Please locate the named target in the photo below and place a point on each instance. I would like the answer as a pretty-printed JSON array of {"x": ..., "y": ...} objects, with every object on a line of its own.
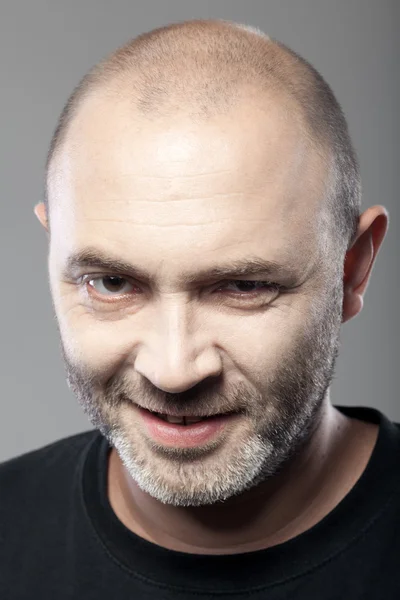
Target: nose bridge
[
  {"x": 178, "y": 355},
  {"x": 175, "y": 326}
]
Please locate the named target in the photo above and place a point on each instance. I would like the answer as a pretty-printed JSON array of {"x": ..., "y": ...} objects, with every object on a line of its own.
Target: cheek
[
  {"x": 97, "y": 344},
  {"x": 261, "y": 344}
]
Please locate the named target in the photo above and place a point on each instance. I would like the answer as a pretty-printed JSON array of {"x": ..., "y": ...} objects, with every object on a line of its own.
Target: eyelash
[{"x": 269, "y": 286}]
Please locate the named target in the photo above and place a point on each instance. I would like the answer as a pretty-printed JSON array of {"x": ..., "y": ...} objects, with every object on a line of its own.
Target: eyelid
[
  {"x": 244, "y": 300},
  {"x": 258, "y": 297},
  {"x": 95, "y": 276}
]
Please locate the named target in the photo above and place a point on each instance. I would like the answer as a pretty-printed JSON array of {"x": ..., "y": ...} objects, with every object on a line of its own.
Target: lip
[{"x": 183, "y": 436}]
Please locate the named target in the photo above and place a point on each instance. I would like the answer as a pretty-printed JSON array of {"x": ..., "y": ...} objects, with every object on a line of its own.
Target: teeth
[
  {"x": 193, "y": 420},
  {"x": 179, "y": 420},
  {"x": 174, "y": 419}
]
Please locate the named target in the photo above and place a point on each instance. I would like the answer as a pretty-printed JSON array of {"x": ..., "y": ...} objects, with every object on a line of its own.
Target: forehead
[
  {"x": 248, "y": 176},
  {"x": 259, "y": 140},
  {"x": 254, "y": 132}
]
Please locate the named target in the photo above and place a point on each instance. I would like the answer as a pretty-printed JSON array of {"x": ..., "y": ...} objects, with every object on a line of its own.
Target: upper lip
[{"x": 181, "y": 415}]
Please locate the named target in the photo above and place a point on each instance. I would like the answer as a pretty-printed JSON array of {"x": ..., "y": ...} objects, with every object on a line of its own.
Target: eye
[
  {"x": 246, "y": 284},
  {"x": 115, "y": 285},
  {"x": 111, "y": 284}
]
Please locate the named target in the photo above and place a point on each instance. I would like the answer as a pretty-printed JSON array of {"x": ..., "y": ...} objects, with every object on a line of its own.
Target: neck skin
[{"x": 272, "y": 513}]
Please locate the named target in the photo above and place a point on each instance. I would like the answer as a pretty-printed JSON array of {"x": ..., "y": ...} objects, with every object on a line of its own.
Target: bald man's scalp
[{"x": 203, "y": 68}]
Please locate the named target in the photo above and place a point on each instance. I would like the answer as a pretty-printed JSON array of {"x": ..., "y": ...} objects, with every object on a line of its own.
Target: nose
[{"x": 178, "y": 352}]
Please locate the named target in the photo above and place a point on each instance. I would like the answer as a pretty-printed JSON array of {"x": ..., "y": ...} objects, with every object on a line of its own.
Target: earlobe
[{"x": 352, "y": 305}]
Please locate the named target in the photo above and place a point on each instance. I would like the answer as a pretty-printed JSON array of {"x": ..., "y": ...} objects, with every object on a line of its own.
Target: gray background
[{"x": 47, "y": 46}]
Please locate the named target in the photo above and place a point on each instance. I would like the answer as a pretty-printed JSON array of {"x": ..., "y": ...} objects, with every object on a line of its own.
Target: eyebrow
[{"x": 253, "y": 265}]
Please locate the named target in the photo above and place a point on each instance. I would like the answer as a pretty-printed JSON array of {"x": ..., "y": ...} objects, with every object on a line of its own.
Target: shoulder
[{"x": 38, "y": 470}]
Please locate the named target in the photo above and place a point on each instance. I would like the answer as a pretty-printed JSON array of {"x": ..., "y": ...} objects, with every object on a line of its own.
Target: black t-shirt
[{"x": 59, "y": 537}]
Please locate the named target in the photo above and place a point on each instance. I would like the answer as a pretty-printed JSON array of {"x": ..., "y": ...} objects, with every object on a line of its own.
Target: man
[{"x": 205, "y": 246}]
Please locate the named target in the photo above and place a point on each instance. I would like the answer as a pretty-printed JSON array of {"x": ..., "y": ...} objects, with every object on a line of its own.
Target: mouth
[
  {"x": 185, "y": 420},
  {"x": 184, "y": 431}
]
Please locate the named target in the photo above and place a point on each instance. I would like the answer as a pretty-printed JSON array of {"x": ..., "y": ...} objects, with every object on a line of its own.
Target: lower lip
[{"x": 184, "y": 436}]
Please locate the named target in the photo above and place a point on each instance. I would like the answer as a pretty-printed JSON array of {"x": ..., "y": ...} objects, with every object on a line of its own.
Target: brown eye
[
  {"x": 247, "y": 287},
  {"x": 109, "y": 283}
]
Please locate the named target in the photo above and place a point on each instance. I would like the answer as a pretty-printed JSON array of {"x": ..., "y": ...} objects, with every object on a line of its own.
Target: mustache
[
  {"x": 176, "y": 404},
  {"x": 201, "y": 398}
]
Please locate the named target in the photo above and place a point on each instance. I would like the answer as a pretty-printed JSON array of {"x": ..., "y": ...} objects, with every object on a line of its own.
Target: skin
[{"x": 173, "y": 198}]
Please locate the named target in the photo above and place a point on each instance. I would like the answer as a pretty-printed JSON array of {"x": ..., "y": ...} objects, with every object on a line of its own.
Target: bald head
[{"x": 205, "y": 68}]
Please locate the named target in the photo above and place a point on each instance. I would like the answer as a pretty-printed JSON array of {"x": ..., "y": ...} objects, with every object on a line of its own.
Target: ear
[
  {"x": 360, "y": 258},
  {"x": 40, "y": 212}
]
